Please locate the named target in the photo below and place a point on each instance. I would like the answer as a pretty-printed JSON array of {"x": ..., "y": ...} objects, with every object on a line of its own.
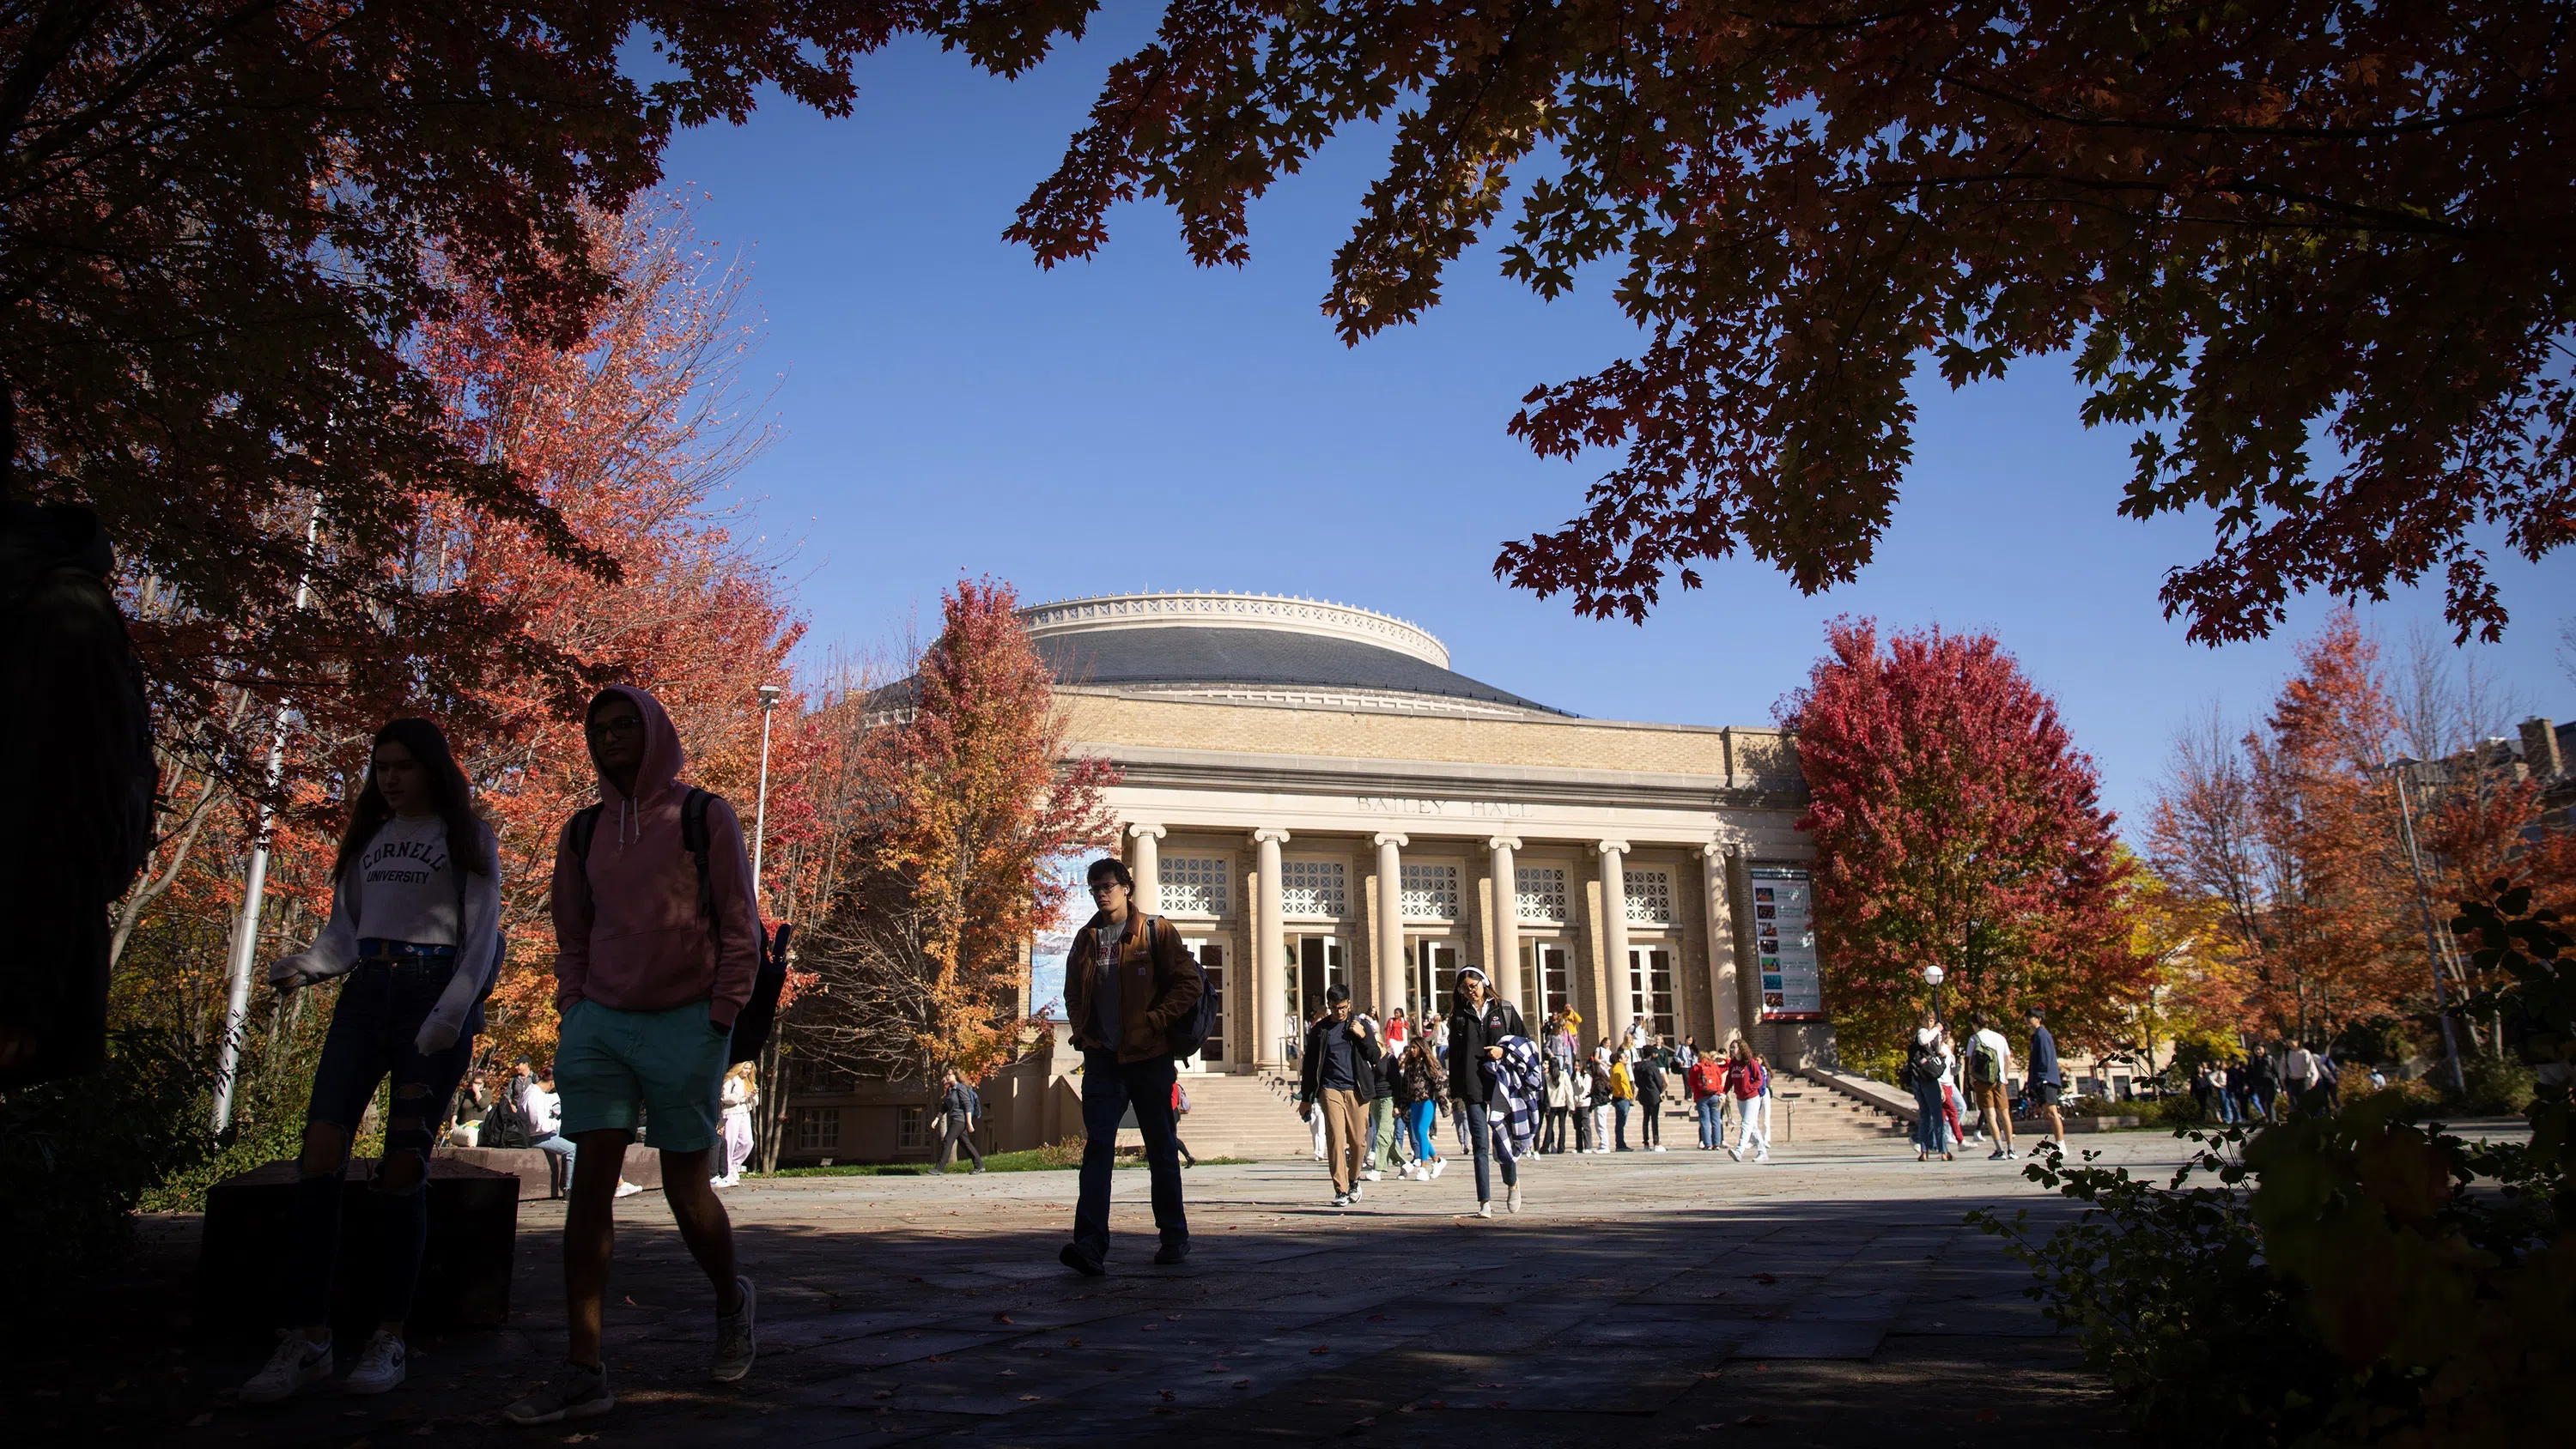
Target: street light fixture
[
  {"x": 1932, "y": 977},
  {"x": 760, "y": 813}
]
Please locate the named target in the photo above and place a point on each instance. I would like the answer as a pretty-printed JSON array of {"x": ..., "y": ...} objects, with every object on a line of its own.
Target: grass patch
[{"x": 1052, "y": 1158}]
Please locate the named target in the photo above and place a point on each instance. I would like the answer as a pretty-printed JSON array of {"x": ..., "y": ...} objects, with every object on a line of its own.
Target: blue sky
[{"x": 946, "y": 408}]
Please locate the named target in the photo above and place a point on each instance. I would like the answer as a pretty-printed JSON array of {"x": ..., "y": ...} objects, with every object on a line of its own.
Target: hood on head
[{"x": 662, "y": 757}]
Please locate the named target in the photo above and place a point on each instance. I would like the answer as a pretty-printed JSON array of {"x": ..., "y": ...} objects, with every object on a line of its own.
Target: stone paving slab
[{"x": 1831, "y": 1295}]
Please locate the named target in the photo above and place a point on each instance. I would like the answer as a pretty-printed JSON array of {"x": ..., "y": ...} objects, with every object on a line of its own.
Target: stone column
[
  {"x": 1719, "y": 911},
  {"x": 1620, "y": 1009},
  {"x": 1269, "y": 957},
  {"x": 1390, "y": 923},
  {"x": 1503, "y": 941},
  {"x": 1148, "y": 867}
]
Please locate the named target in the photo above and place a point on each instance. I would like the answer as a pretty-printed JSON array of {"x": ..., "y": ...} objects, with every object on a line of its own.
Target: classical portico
[{"x": 1312, "y": 796}]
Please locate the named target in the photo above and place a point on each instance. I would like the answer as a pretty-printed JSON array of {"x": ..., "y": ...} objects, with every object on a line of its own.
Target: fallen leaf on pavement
[
  {"x": 1989, "y": 1416},
  {"x": 1764, "y": 1278},
  {"x": 1320, "y": 1348},
  {"x": 1028, "y": 1398}
]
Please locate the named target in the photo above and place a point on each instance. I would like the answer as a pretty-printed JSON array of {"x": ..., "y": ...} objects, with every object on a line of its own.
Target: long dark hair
[{"x": 447, "y": 785}]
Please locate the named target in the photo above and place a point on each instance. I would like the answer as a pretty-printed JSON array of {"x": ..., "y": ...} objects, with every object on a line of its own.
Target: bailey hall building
[{"x": 1312, "y": 795}]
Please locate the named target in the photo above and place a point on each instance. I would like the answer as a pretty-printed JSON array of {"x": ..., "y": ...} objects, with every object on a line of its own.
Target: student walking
[
  {"x": 1605, "y": 1090},
  {"x": 2047, "y": 1078},
  {"x": 1989, "y": 1068},
  {"x": 1381, "y": 1113},
  {"x": 1927, "y": 1067},
  {"x": 2298, "y": 1075},
  {"x": 1423, "y": 1089},
  {"x": 1559, "y": 1098},
  {"x": 1648, "y": 1078},
  {"x": 738, "y": 1098},
  {"x": 1748, "y": 1081},
  {"x": 1181, "y": 1109},
  {"x": 415, "y": 931},
  {"x": 1478, "y": 1026},
  {"x": 1339, "y": 1053},
  {"x": 657, "y": 947},
  {"x": 1706, "y": 1078},
  {"x": 958, "y": 1109},
  {"x": 1128, "y": 981},
  {"x": 1623, "y": 1099}
]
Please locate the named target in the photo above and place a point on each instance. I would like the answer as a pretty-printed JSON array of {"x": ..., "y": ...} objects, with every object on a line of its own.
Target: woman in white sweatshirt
[{"x": 415, "y": 936}]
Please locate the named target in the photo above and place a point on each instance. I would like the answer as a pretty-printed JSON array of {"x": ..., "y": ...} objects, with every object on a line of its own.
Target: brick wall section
[{"x": 1103, "y": 719}]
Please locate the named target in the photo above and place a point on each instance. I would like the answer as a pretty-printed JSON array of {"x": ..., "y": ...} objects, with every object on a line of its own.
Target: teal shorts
[{"x": 669, "y": 1065}]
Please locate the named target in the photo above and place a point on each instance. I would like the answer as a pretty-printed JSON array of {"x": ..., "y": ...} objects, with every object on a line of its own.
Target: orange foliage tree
[
  {"x": 627, "y": 434},
  {"x": 959, "y": 796},
  {"x": 2292, "y": 834}
]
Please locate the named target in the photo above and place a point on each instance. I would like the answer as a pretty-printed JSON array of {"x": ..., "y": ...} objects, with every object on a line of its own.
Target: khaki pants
[
  {"x": 1345, "y": 1136},
  {"x": 1997, "y": 1111}
]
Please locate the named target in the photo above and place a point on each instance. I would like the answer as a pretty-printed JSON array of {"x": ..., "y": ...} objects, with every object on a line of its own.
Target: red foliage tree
[
  {"x": 2248, "y": 227},
  {"x": 1955, "y": 823}
]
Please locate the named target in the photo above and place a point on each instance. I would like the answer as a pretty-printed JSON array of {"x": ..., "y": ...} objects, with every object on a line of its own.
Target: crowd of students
[{"x": 1374, "y": 1093}]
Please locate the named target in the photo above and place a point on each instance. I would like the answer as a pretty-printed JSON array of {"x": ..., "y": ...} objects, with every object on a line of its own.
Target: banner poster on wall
[
  {"x": 1784, "y": 940},
  {"x": 1054, "y": 940}
]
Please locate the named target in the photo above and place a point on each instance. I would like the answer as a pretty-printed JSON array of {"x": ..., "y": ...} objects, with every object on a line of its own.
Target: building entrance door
[
  {"x": 1650, "y": 988},
  {"x": 1319, "y": 966},
  {"x": 1433, "y": 965},
  {"x": 1555, "y": 978},
  {"x": 1211, "y": 958}
]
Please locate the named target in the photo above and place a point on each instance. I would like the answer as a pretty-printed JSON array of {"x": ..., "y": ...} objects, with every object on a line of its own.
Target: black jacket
[
  {"x": 1470, "y": 1032},
  {"x": 1648, "y": 1077},
  {"x": 1364, "y": 1054}
]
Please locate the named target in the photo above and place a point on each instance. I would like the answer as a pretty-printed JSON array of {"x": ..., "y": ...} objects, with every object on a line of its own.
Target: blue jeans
[
  {"x": 1480, "y": 1135},
  {"x": 1712, "y": 1129},
  {"x": 1417, "y": 1125},
  {"x": 1931, "y": 1124},
  {"x": 382, "y": 1004},
  {"x": 557, "y": 1145},
  {"x": 1109, "y": 1087},
  {"x": 1621, "y": 1106}
]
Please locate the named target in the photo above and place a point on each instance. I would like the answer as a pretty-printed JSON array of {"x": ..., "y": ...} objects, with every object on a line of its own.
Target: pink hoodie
[{"x": 628, "y": 933}]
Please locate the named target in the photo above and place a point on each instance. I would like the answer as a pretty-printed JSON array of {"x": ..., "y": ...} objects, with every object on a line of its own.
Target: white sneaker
[
  {"x": 1369, "y": 1176},
  {"x": 1439, "y": 1165},
  {"x": 1484, "y": 1210},
  {"x": 1341, "y": 1199},
  {"x": 1512, "y": 1197},
  {"x": 1658, "y": 1147},
  {"x": 1762, "y": 1156},
  {"x": 1355, "y": 1192},
  {"x": 627, "y": 1189},
  {"x": 1736, "y": 1152},
  {"x": 736, "y": 1342},
  {"x": 380, "y": 1365},
  {"x": 297, "y": 1365}
]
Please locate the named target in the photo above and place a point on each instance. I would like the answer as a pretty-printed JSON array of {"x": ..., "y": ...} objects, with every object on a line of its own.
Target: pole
[
  {"x": 255, "y": 888},
  {"x": 2432, "y": 941},
  {"x": 760, "y": 811}
]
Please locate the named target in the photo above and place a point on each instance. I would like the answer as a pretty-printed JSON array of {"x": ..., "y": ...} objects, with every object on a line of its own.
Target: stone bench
[
  {"x": 249, "y": 1245},
  {"x": 536, "y": 1170}
]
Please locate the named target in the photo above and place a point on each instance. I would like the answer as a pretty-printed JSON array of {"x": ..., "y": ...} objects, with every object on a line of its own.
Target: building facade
[{"x": 1311, "y": 795}]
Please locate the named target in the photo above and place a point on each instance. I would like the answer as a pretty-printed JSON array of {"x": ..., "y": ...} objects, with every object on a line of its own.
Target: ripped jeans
[{"x": 382, "y": 1004}]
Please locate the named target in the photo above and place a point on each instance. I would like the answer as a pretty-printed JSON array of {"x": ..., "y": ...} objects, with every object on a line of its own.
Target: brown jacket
[{"x": 1160, "y": 986}]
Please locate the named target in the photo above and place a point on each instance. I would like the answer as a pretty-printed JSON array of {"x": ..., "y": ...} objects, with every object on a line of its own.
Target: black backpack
[
  {"x": 751, "y": 1026},
  {"x": 1188, "y": 1036},
  {"x": 1922, "y": 1066},
  {"x": 506, "y": 1124}
]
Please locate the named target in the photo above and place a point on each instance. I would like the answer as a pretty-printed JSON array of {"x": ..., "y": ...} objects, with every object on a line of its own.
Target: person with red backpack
[
  {"x": 658, "y": 947},
  {"x": 1128, "y": 983},
  {"x": 1707, "y": 1081}
]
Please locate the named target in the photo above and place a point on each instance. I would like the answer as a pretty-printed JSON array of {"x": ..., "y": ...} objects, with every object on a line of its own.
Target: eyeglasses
[
  {"x": 609, "y": 729},
  {"x": 1105, "y": 887}
]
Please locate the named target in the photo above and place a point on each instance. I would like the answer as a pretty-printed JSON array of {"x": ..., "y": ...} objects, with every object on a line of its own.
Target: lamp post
[
  {"x": 760, "y": 812},
  {"x": 1932, "y": 978}
]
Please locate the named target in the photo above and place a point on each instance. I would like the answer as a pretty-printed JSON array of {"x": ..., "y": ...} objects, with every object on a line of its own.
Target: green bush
[
  {"x": 78, "y": 1156},
  {"x": 2497, "y": 1087},
  {"x": 2346, "y": 1277}
]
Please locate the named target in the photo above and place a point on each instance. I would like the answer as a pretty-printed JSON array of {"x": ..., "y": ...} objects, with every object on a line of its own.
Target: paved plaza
[{"x": 1831, "y": 1297}]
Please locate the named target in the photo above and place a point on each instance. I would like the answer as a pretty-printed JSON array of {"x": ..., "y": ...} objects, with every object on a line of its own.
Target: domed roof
[{"x": 1257, "y": 646}]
